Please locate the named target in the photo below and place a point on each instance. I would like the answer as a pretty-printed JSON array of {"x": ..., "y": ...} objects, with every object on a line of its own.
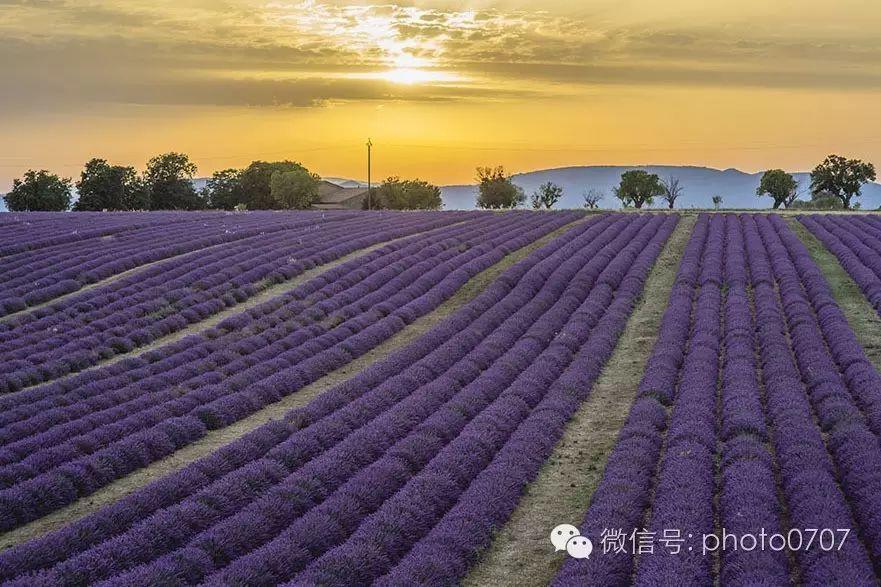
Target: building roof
[{"x": 330, "y": 193}]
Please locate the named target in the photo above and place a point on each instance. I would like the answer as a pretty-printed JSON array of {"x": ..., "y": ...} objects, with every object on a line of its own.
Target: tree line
[
  {"x": 835, "y": 184},
  {"x": 497, "y": 190},
  {"x": 167, "y": 184}
]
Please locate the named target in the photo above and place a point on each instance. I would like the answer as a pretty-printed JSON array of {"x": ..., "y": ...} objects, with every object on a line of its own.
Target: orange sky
[{"x": 439, "y": 86}]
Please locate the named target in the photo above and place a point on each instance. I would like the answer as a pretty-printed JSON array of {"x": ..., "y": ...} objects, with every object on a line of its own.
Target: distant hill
[
  {"x": 737, "y": 188},
  {"x": 346, "y": 183}
]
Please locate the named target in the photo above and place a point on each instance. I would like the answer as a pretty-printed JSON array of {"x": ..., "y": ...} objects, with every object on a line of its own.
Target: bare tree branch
[
  {"x": 592, "y": 198},
  {"x": 672, "y": 190}
]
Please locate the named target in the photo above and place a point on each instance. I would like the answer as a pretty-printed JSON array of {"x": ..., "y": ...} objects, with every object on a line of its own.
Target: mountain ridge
[{"x": 700, "y": 183}]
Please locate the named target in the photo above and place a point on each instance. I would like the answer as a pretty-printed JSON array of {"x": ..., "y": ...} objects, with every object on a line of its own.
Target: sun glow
[{"x": 411, "y": 76}]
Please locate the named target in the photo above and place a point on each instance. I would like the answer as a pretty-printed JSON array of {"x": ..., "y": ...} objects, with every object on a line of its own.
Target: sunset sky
[{"x": 439, "y": 86}]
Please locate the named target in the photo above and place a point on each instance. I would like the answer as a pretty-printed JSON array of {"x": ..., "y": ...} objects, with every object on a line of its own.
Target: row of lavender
[
  {"x": 63, "y": 441},
  {"x": 400, "y": 474},
  {"x": 856, "y": 242},
  {"x": 237, "y": 339},
  {"x": 166, "y": 297},
  {"x": 36, "y": 276},
  {"x": 758, "y": 411},
  {"x": 34, "y": 230}
]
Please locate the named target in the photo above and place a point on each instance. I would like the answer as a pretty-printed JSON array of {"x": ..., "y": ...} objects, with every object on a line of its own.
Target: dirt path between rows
[
  {"x": 218, "y": 438},
  {"x": 521, "y": 553},
  {"x": 862, "y": 317}
]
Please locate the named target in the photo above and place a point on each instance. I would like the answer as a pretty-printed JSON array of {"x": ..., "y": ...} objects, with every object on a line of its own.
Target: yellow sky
[{"x": 439, "y": 86}]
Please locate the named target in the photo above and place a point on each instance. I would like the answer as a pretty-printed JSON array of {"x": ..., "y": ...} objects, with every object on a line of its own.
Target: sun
[{"x": 409, "y": 76}]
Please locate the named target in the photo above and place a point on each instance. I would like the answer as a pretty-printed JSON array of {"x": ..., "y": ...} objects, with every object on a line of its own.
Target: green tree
[
  {"x": 138, "y": 198},
  {"x": 842, "y": 178},
  {"x": 297, "y": 189},
  {"x": 224, "y": 190},
  {"x": 717, "y": 201},
  {"x": 778, "y": 184},
  {"x": 407, "y": 194},
  {"x": 39, "y": 190},
  {"x": 256, "y": 181},
  {"x": 546, "y": 196},
  {"x": 820, "y": 201},
  {"x": 496, "y": 191},
  {"x": 638, "y": 188},
  {"x": 108, "y": 187},
  {"x": 169, "y": 183}
]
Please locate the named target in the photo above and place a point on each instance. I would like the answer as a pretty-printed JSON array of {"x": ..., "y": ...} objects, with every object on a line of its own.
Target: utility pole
[{"x": 369, "y": 185}]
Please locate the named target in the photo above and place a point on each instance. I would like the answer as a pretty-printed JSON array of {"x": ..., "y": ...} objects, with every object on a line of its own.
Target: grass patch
[{"x": 862, "y": 317}]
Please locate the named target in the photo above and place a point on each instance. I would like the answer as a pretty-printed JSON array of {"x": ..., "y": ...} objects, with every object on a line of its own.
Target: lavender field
[
  {"x": 353, "y": 398},
  {"x": 757, "y": 410}
]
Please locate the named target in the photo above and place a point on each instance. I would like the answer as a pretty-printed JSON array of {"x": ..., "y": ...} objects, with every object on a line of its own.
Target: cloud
[
  {"x": 244, "y": 52},
  {"x": 680, "y": 76},
  {"x": 64, "y": 77},
  {"x": 236, "y": 92}
]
